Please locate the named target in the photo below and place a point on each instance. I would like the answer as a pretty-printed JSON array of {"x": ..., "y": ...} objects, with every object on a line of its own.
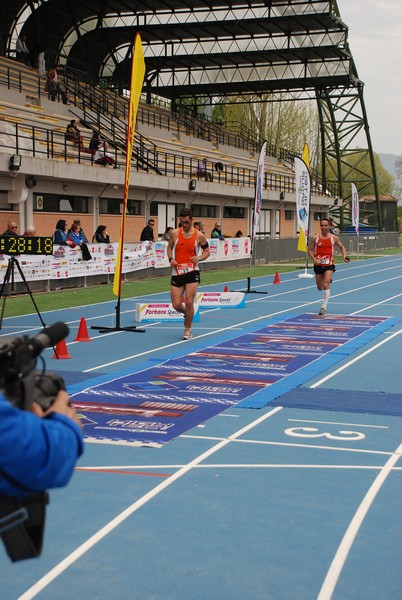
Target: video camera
[
  {"x": 21, "y": 383},
  {"x": 22, "y": 520}
]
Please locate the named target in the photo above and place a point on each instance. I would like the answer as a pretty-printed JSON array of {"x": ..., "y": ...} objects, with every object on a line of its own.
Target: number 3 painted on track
[{"x": 308, "y": 432}]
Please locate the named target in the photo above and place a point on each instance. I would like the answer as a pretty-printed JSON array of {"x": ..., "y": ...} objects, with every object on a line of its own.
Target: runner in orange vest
[
  {"x": 321, "y": 251},
  {"x": 183, "y": 255}
]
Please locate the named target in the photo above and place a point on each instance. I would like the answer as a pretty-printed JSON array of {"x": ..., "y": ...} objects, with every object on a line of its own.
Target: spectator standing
[
  {"x": 101, "y": 236},
  {"x": 202, "y": 170},
  {"x": 22, "y": 52},
  {"x": 52, "y": 85},
  {"x": 11, "y": 229},
  {"x": 41, "y": 61},
  {"x": 147, "y": 234},
  {"x": 217, "y": 231}
]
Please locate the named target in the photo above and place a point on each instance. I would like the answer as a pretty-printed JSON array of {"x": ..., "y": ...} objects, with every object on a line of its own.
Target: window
[
  {"x": 113, "y": 206},
  {"x": 204, "y": 210},
  {"x": 320, "y": 215},
  {"x": 57, "y": 203},
  {"x": 233, "y": 212},
  {"x": 289, "y": 215}
]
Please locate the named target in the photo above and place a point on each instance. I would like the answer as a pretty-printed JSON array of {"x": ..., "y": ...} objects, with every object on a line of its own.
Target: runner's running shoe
[
  {"x": 322, "y": 311},
  {"x": 187, "y": 334}
]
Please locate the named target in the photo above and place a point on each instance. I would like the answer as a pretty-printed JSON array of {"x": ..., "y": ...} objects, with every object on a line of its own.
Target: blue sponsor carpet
[{"x": 153, "y": 406}]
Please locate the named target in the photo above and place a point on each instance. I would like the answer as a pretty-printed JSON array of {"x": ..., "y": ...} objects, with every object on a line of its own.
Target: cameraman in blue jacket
[{"x": 38, "y": 450}]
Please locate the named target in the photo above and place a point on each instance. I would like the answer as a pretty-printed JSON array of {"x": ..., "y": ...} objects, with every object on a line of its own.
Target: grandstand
[{"x": 167, "y": 151}]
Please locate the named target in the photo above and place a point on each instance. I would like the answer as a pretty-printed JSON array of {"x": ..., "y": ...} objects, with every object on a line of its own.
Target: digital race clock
[{"x": 10, "y": 244}]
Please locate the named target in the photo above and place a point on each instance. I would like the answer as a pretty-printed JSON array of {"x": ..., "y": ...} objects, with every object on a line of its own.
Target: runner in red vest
[
  {"x": 321, "y": 251},
  {"x": 183, "y": 255}
]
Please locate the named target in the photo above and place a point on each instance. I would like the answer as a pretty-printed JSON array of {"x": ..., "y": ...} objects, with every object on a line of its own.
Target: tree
[{"x": 283, "y": 123}]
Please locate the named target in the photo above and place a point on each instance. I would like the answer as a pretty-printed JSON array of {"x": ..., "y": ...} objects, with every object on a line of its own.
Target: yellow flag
[
  {"x": 137, "y": 79},
  {"x": 305, "y": 156},
  {"x": 302, "y": 242}
]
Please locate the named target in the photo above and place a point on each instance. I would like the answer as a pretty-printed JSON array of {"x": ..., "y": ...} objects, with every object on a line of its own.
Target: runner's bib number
[
  {"x": 324, "y": 260},
  {"x": 184, "y": 268}
]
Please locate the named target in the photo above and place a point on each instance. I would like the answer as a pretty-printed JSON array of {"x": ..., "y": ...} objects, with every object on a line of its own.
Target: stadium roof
[
  {"x": 214, "y": 49},
  {"x": 194, "y": 47}
]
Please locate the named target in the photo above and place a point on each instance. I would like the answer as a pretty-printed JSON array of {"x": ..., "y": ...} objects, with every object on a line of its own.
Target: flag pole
[
  {"x": 137, "y": 79},
  {"x": 256, "y": 213}
]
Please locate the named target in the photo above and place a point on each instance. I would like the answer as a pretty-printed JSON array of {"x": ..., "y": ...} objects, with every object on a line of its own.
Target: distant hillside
[{"x": 388, "y": 161}]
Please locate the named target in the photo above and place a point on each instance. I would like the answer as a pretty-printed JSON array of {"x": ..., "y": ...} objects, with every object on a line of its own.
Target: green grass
[{"x": 22, "y": 304}]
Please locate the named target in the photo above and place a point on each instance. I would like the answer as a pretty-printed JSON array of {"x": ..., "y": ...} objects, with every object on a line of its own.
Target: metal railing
[{"x": 41, "y": 142}]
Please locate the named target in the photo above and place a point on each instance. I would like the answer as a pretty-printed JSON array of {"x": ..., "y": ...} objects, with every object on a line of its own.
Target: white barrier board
[
  {"x": 161, "y": 311},
  {"x": 221, "y": 299}
]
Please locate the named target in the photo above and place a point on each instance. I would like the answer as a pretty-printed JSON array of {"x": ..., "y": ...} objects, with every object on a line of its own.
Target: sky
[{"x": 375, "y": 39}]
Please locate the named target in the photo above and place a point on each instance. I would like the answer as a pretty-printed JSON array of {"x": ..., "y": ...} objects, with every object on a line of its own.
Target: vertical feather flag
[
  {"x": 355, "y": 208},
  {"x": 302, "y": 175},
  {"x": 137, "y": 79},
  {"x": 258, "y": 191}
]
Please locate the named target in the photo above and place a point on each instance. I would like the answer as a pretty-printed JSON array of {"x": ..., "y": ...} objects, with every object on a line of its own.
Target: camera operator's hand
[{"x": 60, "y": 405}]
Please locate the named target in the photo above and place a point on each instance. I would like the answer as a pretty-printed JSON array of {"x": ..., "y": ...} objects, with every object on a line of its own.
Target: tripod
[{"x": 8, "y": 285}]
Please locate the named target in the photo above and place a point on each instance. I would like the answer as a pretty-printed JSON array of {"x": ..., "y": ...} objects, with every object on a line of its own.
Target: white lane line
[
  {"x": 93, "y": 540},
  {"x": 356, "y": 359},
  {"x": 238, "y": 466},
  {"x": 341, "y": 555}
]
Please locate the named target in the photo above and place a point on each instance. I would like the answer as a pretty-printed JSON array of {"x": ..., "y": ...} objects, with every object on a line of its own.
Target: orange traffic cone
[
  {"x": 61, "y": 350},
  {"x": 82, "y": 335},
  {"x": 226, "y": 289},
  {"x": 276, "y": 278}
]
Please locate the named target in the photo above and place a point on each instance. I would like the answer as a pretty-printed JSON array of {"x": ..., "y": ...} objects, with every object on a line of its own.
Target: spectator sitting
[
  {"x": 217, "y": 232},
  {"x": 95, "y": 142},
  {"x": 30, "y": 231},
  {"x": 11, "y": 229},
  {"x": 102, "y": 157},
  {"x": 101, "y": 236},
  {"x": 77, "y": 235},
  {"x": 239, "y": 234},
  {"x": 166, "y": 235},
  {"x": 60, "y": 235},
  {"x": 73, "y": 134}
]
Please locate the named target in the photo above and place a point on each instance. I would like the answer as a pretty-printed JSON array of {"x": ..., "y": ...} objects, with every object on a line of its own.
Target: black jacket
[{"x": 147, "y": 234}]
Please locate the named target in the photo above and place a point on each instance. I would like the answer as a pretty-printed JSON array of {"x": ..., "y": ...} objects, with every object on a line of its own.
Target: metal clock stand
[{"x": 8, "y": 286}]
